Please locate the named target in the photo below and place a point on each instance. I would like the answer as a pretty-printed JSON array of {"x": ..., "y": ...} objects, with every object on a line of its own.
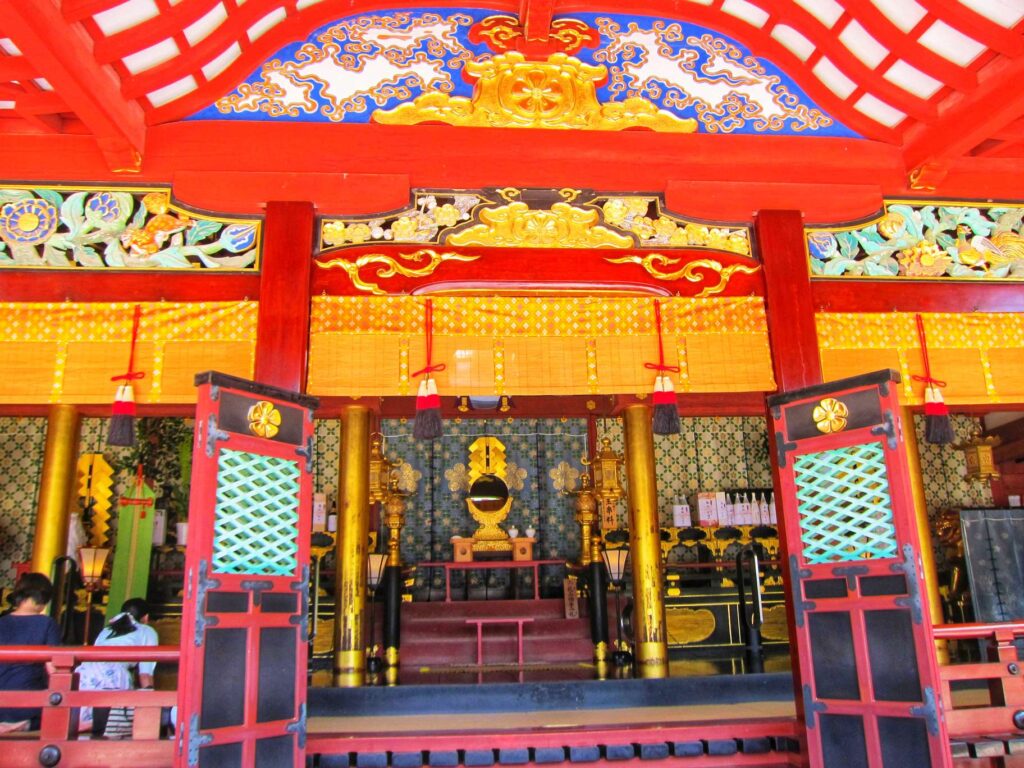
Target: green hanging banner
[{"x": 130, "y": 573}]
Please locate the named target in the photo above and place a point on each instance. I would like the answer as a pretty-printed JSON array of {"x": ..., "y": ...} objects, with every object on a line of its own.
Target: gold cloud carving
[
  {"x": 387, "y": 266},
  {"x": 511, "y": 92},
  {"x": 696, "y": 271},
  {"x": 563, "y": 226}
]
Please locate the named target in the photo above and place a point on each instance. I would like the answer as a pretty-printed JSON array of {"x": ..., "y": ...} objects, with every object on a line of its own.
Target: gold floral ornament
[
  {"x": 264, "y": 419},
  {"x": 830, "y": 415},
  {"x": 385, "y": 267},
  {"x": 406, "y": 476},
  {"x": 511, "y": 92},
  {"x": 458, "y": 479},
  {"x": 699, "y": 270},
  {"x": 515, "y": 477},
  {"x": 564, "y": 476}
]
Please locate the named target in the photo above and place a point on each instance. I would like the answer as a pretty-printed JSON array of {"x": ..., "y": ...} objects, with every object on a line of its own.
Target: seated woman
[
  {"x": 26, "y": 624},
  {"x": 128, "y": 628}
]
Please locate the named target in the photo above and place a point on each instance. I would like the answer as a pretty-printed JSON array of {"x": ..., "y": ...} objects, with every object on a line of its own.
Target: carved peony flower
[
  {"x": 103, "y": 208},
  {"x": 404, "y": 229},
  {"x": 334, "y": 232},
  {"x": 891, "y": 225},
  {"x": 926, "y": 259},
  {"x": 822, "y": 245},
  {"x": 446, "y": 215},
  {"x": 358, "y": 233},
  {"x": 665, "y": 227},
  {"x": 614, "y": 211},
  {"x": 643, "y": 227},
  {"x": 27, "y": 222},
  {"x": 697, "y": 234},
  {"x": 156, "y": 202}
]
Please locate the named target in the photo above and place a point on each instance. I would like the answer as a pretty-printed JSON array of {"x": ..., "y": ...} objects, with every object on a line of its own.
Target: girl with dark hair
[
  {"x": 26, "y": 624},
  {"x": 128, "y": 628}
]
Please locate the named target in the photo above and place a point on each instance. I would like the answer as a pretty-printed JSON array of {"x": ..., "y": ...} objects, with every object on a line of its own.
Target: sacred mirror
[
  {"x": 489, "y": 500},
  {"x": 489, "y": 493}
]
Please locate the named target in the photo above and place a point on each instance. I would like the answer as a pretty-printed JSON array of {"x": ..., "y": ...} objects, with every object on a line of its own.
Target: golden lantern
[
  {"x": 607, "y": 483},
  {"x": 380, "y": 469},
  {"x": 980, "y": 458}
]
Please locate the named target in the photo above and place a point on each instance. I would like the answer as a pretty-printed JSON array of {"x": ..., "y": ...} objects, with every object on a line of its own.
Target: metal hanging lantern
[{"x": 979, "y": 457}]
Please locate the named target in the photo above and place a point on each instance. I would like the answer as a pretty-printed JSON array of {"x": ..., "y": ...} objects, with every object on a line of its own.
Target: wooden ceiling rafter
[
  {"x": 971, "y": 119},
  {"x": 61, "y": 54},
  {"x": 974, "y": 25}
]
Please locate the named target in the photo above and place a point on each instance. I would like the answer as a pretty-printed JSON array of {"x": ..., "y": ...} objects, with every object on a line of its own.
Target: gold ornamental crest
[
  {"x": 830, "y": 415},
  {"x": 264, "y": 419}
]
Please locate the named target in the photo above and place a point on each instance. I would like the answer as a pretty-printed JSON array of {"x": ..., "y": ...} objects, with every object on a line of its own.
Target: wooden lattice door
[
  {"x": 242, "y": 676},
  {"x": 861, "y": 621}
]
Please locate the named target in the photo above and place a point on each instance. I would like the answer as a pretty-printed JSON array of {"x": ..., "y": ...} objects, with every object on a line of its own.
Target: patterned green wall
[
  {"x": 710, "y": 453},
  {"x": 21, "y": 465}
]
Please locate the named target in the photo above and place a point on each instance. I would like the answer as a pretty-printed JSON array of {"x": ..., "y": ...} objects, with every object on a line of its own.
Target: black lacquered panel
[
  {"x": 279, "y": 602},
  {"x": 227, "y": 602},
  {"x": 877, "y": 586},
  {"x": 835, "y": 664},
  {"x": 842, "y": 742},
  {"x": 893, "y": 656},
  {"x": 864, "y": 410},
  {"x": 276, "y": 698},
  {"x": 818, "y": 589},
  {"x": 221, "y": 756},
  {"x": 904, "y": 742},
  {"x": 223, "y": 660},
  {"x": 275, "y": 752}
]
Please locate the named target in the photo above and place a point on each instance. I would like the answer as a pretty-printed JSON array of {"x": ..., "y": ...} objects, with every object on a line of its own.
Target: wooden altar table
[{"x": 491, "y": 565}]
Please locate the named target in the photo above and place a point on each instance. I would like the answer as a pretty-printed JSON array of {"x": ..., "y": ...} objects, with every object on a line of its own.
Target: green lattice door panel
[
  {"x": 865, "y": 654},
  {"x": 242, "y": 675}
]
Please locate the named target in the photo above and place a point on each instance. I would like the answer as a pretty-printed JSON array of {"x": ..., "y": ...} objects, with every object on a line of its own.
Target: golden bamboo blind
[
  {"x": 536, "y": 344},
  {"x": 67, "y": 352},
  {"x": 980, "y": 356}
]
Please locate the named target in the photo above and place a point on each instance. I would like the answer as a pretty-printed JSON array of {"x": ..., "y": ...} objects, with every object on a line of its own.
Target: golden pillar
[
  {"x": 924, "y": 528},
  {"x": 59, "y": 462},
  {"x": 645, "y": 544},
  {"x": 353, "y": 533}
]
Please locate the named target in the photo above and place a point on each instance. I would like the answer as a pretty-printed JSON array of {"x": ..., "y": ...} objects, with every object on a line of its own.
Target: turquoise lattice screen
[
  {"x": 844, "y": 504},
  {"x": 257, "y": 514}
]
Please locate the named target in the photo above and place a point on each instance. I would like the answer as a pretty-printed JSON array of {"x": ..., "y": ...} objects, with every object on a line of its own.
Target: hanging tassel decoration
[
  {"x": 938, "y": 428},
  {"x": 666, "y": 410},
  {"x": 427, "y": 424},
  {"x": 122, "y": 421}
]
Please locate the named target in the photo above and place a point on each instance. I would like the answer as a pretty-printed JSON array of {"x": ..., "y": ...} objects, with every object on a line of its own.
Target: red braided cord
[
  {"x": 428, "y": 322},
  {"x": 927, "y": 378},
  {"x": 132, "y": 373},
  {"x": 660, "y": 365}
]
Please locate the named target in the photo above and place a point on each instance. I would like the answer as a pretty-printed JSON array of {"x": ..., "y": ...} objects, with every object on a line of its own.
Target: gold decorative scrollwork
[
  {"x": 264, "y": 419},
  {"x": 830, "y": 415},
  {"x": 694, "y": 271},
  {"x": 388, "y": 266},
  {"x": 511, "y": 92},
  {"x": 563, "y": 226},
  {"x": 686, "y": 625}
]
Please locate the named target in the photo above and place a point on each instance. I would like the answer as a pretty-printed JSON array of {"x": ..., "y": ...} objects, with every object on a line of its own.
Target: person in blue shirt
[{"x": 26, "y": 624}]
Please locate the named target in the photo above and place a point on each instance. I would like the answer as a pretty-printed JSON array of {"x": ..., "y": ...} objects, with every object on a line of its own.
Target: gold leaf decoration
[
  {"x": 511, "y": 92},
  {"x": 458, "y": 479},
  {"x": 830, "y": 415},
  {"x": 385, "y": 266},
  {"x": 264, "y": 419},
  {"x": 564, "y": 476},
  {"x": 699, "y": 270},
  {"x": 562, "y": 226},
  {"x": 515, "y": 477},
  {"x": 687, "y": 625},
  {"x": 774, "y": 626},
  {"x": 408, "y": 476}
]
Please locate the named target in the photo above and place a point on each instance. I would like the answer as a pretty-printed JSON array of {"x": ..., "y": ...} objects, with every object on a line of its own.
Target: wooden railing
[
  {"x": 57, "y": 740},
  {"x": 1000, "y": 710}
]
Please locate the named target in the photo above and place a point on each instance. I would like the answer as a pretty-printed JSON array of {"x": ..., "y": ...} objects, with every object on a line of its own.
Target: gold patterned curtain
[{"x": 537, "y": 344}]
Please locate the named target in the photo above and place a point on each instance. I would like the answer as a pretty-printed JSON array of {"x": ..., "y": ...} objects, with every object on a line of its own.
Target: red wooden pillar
[
  {"x": 282, "y": 330},
  {"x": 788, "y": 302},
  {"x": 793, "y": 338}
]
